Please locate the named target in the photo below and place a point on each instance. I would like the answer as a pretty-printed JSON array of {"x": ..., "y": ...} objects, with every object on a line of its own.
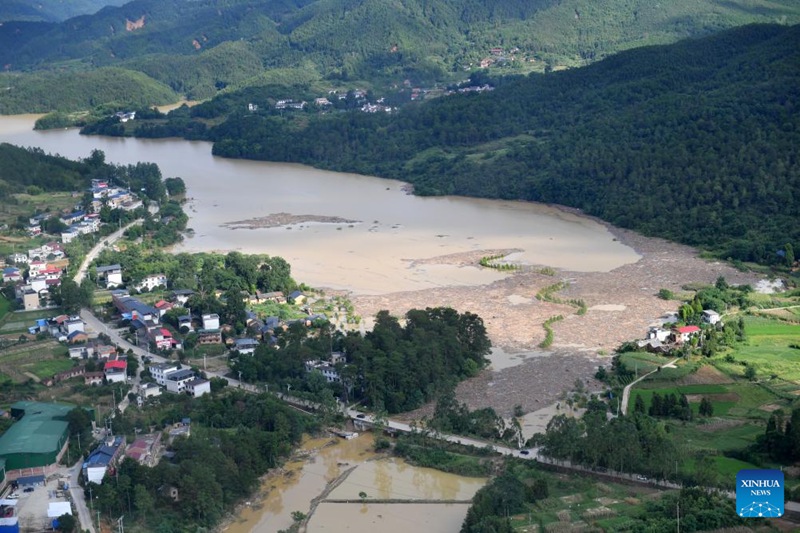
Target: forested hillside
[
  {"x": 47, "y": 91},
  {"x": 198, "y": 48},
  {"x": 51, "y": 10},
  {"x": 697, "y": 141},
  {"x": 23, "y": 167}
]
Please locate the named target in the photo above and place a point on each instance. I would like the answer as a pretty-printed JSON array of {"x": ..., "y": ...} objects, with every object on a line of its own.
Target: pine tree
[
  {"x": 706, "y": 407},
  {"x": 638, "y": 405}
]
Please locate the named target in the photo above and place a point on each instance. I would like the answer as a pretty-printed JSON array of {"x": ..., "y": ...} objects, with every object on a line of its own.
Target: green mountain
[
  {"x": 40, "y": 92},
  {"x": 202, "y": 46},
  {"x": 23, "y": 167},
  {"x": 697, "y": 141},
  {"x": 51, "y": 10}
]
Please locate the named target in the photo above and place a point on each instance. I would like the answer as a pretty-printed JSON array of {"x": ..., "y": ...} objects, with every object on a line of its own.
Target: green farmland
[
  {"x": 768, "y": 349},
  {"x": 741, "y": 407}
]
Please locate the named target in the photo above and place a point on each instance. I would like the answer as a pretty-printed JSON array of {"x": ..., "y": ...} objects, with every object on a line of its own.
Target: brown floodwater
[
  {"x": 374, "y": 254},
  {"x": 379, "y": 477}
]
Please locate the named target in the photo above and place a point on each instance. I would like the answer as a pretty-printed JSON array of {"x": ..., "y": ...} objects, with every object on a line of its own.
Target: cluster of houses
[
  {"x": 499, "y": 56},
  {"x": 104, "y": 459},
  {"x": 45, "y": 267},
  {"x": 146, "y": 450},
  {"x": 110, "y": 276},
  {"x": 114, "y": 370},
  {"x": 80, "y": 222},
  {"x": 324, "y": 103},
  {"x": 65, "y": 328},
  {"x": 146, "y": 318},
  {"x": 178, "y": 380},
  {"x": 114, "y": 197},
  {"x": 125, "y": 116},
  {"x": 327, "y": 368},
  {"x": 662, "y": 339}
]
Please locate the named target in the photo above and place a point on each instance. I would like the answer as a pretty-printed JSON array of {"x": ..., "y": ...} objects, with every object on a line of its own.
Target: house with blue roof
[
  {"x": 103, "y": 459},
  {"x": 11, "y": 274}
]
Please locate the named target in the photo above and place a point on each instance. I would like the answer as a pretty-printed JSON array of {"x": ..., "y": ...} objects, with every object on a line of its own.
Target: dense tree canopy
[
  {"x": 235, "y": 439},
  {"x": 393, "y": 367},
  {"x": 669, "y": 140},
  {"x": 201, "y": 47}
]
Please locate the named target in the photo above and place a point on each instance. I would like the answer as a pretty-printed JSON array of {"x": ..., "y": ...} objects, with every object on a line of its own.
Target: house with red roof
[
  {"x": 116, "y": 371},
  {"x": 163, "y": 339},
  {"x": 163, "y": 306},
  {"x": 683, "y": 334}
]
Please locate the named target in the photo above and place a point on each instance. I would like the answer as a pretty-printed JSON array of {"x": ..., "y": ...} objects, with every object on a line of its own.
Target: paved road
[
  {"x": 626, "y": 392},
  {"x": 99, "y": 247},
  {"x": 76, "y": 492}
]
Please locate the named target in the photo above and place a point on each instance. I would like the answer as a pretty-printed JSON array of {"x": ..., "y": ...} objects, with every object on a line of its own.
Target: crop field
[
  {"x": 721, "y": 397},
  {"x": 27, "y": 204},
  {"x": 725, "y": 435},
  {"x": 575, "y": 501},
  {"x": 34, "y": 360},
  {"x": 17, "y": 323},
  {"x": 741, "y": 407},
  {"x": 768, "y": 348}
]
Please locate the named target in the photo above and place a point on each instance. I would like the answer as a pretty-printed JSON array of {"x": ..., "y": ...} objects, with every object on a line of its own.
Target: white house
[
  {"x": 112, "y": 274},
  {"x": 178, "y": 380},
  {"x": 38, "y": 284},
  {"x": 245, "y": 346},
  {"x": 30, "y": 299},
  {"x": 36, "y": 267},
  {"x": 77, "y": 352},
  {"x": 149, "y": 390},
  {"x": 102, "y": 458},
  {"x": 211, "y": 321},
  {"x": 152, "y": 281},
  {"x": 160, "y": 372},
  {"x": 18, "y": 258},
  {"x": 710, "y": 317},
  {"x": 656, "y": 332},
  {"x": 326, "y": 369},
  {"x": 116, "y": 371},
  {"x": 685, "y": 333},
  {"x": 197, "y": 387}
]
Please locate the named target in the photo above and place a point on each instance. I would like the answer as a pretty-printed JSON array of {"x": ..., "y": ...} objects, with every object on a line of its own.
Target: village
[{"x": 98, "y": 356}]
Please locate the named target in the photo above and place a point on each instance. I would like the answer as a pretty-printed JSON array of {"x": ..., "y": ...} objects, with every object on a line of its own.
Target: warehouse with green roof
[{"x": 38, "y": 437}]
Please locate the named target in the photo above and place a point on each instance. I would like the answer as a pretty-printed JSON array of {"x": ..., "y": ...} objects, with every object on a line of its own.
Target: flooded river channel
[{"x": 345, "y": 231}]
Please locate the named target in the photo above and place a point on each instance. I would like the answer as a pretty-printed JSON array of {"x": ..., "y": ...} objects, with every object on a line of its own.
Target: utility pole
[{"x": 678, "y": 513}]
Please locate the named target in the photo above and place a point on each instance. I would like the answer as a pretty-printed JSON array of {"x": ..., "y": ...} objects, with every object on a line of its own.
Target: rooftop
[
  {"x": 38, "y": 431},
  {"x": 180, "y": 375}
]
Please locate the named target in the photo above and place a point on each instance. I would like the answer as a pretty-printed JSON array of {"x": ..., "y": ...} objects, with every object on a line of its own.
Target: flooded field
[{"x": 362, "y": 474}]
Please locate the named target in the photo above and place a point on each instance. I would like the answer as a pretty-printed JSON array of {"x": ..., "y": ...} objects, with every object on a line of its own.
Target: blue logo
[{"x": 759, "y": 493}]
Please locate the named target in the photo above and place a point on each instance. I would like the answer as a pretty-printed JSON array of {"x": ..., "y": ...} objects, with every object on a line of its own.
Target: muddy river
[{"x": 340, "y": 230}]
